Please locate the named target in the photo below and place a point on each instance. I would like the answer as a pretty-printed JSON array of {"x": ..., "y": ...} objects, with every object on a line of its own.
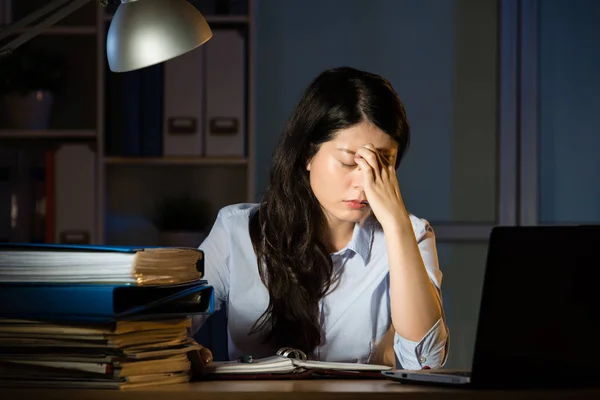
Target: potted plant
[
  {"x": 29, "y": 81},
  {"x": 182, "y": 221}
]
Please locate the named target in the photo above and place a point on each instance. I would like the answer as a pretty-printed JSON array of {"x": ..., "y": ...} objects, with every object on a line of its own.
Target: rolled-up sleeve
[
  {"x": 216, "y": 255},
  {"x": 432, "y": 350}
]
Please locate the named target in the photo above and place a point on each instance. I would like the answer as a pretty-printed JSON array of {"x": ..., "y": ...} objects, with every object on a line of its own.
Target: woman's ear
[{"x": 308, "y": 163}]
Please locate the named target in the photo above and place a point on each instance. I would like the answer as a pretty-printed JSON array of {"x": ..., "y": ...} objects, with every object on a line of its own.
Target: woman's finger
[
  {"x": 383, "y": 161},
  {"x": 366, "y": 169},
  {"x": 392, "y": 173},
  {"x": 371, "y": 158}
]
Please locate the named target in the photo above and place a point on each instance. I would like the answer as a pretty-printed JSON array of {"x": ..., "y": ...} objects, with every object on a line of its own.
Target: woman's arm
[
  {"x": 431, "y": 349},
  {"x": 414, "y": 303}
]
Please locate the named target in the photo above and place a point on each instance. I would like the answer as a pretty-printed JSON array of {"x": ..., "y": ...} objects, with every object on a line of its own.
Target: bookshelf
[
  {"x": 47, "y": 134},
  {"x": 126, "y": 188},
  {"x": 66, "y": 30},
  {"x": 150, "y": 161}
]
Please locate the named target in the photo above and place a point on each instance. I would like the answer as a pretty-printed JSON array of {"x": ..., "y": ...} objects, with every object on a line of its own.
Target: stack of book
[{"x": 98, "y": 317}]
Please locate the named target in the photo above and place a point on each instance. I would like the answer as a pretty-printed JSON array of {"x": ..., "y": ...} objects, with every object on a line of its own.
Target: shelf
[
  {"x": 226, "y": 19},
  {"x": 63, "y": 30},
  {"x": 214, "y": 19},
  {"x": 176, "y": 160},
  {"x": 47, "y": 134}
]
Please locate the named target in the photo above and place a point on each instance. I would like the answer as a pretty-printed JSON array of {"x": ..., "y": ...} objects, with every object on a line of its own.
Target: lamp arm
[
  {"x": 34, "y": 16},
  {"x": 68, "y": 7}
]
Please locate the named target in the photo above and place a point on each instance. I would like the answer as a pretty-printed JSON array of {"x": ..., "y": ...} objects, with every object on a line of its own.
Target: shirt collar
[{"x": 362, "y": 239}]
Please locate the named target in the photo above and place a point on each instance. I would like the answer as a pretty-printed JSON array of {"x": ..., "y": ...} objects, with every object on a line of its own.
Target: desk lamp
[{"x": 142, "y": 32}]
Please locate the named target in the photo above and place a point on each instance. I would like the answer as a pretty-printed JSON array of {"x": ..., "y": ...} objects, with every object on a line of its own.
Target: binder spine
[{"x": 53, "y": 301}]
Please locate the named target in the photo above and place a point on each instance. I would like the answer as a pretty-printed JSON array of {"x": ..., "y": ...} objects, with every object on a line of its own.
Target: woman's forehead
[{"x": 357, "y": 136}]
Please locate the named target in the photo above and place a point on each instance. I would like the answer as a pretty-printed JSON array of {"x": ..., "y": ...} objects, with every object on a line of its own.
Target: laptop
[{"x": 539, "y": 316}]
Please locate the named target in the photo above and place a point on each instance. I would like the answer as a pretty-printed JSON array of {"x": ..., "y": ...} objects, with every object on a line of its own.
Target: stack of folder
[{"x": 98, "y": 317}]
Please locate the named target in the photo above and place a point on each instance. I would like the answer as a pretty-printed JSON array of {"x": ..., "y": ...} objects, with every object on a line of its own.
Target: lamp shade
[{"x": 147, "y": 32}]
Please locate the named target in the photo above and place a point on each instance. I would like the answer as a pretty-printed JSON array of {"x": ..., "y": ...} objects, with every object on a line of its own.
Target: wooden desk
[{"x": 292, "y": 390}]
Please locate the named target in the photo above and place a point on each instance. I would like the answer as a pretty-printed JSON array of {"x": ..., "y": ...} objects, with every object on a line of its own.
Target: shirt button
[{"x": 422, "y": 359}]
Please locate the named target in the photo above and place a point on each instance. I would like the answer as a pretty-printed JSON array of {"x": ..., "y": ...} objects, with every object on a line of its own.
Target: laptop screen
[{"x": 539, "y": 316}]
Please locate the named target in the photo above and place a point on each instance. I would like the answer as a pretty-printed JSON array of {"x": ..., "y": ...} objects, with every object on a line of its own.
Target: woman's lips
[{"x": 357, "y": 204}]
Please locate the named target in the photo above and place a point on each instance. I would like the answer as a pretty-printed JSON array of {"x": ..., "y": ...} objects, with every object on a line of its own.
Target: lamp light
[
  {"x": 142, "y": 32},
  {"x": 147, "y": 32}
]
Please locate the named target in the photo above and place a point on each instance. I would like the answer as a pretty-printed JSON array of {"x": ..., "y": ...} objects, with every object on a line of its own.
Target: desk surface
[{"x": 291, "y": 390}]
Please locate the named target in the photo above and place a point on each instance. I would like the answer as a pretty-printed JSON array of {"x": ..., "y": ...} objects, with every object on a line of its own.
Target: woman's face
[{"x": 335, "y": 178}]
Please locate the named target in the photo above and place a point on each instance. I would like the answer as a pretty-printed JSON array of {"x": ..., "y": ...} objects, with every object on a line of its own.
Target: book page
[
  {"x": 275, "y": 364},
  {"x": 341, "y": 366}
]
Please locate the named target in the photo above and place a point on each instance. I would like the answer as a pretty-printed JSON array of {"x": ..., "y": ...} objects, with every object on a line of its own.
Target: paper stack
[{"x": 79, "y": 316}]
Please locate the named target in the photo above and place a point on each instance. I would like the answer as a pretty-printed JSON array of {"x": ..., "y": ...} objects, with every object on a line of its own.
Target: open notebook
[{"x": 289, "y": 363}]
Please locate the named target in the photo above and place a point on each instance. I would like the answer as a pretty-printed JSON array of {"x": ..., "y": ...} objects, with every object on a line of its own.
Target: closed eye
[{"x": 348, "y": 165}]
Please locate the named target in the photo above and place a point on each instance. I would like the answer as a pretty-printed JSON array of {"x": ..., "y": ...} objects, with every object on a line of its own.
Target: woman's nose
[{"x": 357, "y": 178}]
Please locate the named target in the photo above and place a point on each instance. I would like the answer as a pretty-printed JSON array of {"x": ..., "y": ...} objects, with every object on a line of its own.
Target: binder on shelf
[
  {"x": 123, "y": 114},
  {"x": 184, "y": 104},
  {"x": 151, "y": 101},
  {"x": 74, "y": 194},
  {"x": 133, "y": 110},
  {"x": 225, "y": 94}
]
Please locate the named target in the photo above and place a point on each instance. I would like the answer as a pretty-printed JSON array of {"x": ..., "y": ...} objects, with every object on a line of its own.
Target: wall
[
  {"x": 429, "y": 53},
  {"x": 569, "y": 79}
]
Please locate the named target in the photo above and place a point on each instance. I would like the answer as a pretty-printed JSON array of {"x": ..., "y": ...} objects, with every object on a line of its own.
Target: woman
[{"x": 346, "y": 273}]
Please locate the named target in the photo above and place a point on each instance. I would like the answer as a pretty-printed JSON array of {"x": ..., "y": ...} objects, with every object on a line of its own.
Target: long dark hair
[{"x": 286, "y": 232}]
